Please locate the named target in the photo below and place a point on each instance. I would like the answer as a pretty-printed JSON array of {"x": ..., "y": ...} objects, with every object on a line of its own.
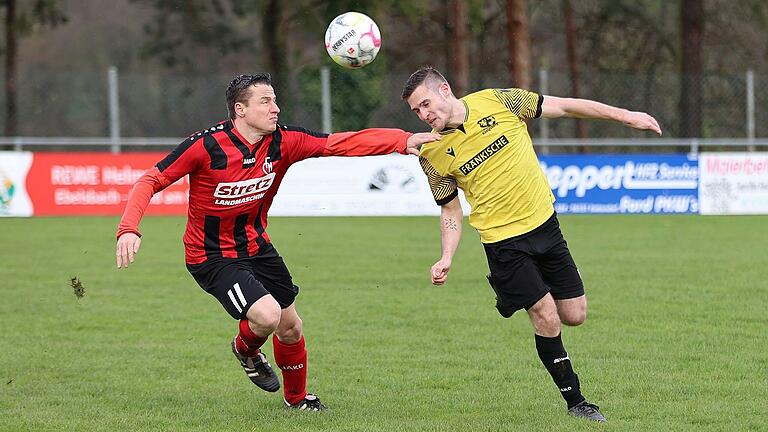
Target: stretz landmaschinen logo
[{"x": 241, "y": 192}]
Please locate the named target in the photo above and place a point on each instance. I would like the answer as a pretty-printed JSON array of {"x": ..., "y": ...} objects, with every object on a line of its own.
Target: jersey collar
[{"x": 461, "y": 126}]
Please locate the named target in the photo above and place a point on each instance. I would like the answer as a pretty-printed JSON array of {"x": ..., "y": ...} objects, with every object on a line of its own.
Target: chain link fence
[{"x": 76, "y": 104}]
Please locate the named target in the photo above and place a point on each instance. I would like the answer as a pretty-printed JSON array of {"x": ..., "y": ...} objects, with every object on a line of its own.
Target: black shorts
[
  {"x": 525, "y": 268},
  {"x": 238, "y": 282}
]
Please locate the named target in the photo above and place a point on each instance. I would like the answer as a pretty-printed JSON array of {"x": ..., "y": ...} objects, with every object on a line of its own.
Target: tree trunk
[
  {"x": 518, "y": 44},
  {"x": 10, "y": 69},
  {"x": 458, "y": 57},
  {"x": 692, "y": 17},
  {"x": 573, "y": 69},
  {"x": 276, "y": 49}
]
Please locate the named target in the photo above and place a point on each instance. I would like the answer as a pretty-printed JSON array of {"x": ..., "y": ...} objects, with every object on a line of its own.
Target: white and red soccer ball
[{"x": 352, "y": 40}]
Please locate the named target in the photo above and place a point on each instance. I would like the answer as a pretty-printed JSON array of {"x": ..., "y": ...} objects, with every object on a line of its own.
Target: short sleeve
[
  {"x": 444, "y": 189},
  {"x": 523, "y": 103}
]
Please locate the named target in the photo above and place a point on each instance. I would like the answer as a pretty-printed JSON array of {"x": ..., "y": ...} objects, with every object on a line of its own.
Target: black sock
[{"x": 555, "y": 359}]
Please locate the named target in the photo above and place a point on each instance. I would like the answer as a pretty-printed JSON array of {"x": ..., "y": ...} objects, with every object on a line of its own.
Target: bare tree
[
  {"x": 10, "y": 69},
  {"x": 518, "y": 43},
  {"x": 275, "y": 45},
  {"x": 571, "y": 38},
  {"x": 20, "y": 23},
  {"x": 458, "y": 57},
  {"x": 692, "y": 17}
]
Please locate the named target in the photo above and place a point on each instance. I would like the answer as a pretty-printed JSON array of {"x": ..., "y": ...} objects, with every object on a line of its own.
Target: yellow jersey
[{"x": 491, "y": 158}]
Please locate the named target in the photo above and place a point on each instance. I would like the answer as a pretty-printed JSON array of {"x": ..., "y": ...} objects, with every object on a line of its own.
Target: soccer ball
[{"x": 352, "y": 40}]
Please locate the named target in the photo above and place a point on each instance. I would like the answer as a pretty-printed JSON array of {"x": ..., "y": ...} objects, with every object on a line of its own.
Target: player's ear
[
  {"x": 239, "y": 109},
  {"x": 445, "y": 89}
]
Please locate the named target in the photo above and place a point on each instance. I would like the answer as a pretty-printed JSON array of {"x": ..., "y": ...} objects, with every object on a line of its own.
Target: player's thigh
[
  {"x": 515, "y": 277},
  {"x": 233, "y": 284},
  {"x": 557, "y": 267},
  {"x": 272, "y": 272}
]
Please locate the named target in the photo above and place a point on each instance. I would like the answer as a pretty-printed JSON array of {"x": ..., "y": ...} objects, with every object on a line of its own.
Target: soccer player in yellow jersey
[{"x": 487, "y": 152}]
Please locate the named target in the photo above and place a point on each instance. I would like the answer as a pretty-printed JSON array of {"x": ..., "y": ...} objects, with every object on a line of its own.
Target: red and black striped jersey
[{"x": 233, "y": 182}]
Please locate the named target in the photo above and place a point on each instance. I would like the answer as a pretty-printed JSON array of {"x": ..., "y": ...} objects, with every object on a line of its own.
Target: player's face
[
  {"x": 432, "y": 106},
  {"x": 261, "y": 110}
]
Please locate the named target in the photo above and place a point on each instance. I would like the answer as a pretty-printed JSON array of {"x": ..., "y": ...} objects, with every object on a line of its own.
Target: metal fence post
[
  {"x": 114, "y": 110},
  {"x": 325, "y": 85},
  {"x": 750, "y": 109}
]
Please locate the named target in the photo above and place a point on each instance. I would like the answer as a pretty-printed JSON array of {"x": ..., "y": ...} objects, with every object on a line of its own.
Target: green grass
[{"x": 675, "y": 339}]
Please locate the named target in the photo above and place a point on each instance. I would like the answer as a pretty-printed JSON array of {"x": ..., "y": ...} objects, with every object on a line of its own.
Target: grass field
[{"x": 675, "y": 339}]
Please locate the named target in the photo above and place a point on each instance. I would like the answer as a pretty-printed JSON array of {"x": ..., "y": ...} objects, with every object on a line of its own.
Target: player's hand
[
  {"x": 440, "y": 270},
  {"x": 415, "y": 141},
  {"x": 642, "y": 121},
  {"x": 127, "y": 248}
]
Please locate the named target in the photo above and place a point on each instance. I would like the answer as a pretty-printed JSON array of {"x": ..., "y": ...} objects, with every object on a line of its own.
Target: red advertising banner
[{"x": 96, "y": 184}]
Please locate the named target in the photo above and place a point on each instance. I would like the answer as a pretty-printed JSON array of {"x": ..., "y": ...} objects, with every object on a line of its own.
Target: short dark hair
[
  {"x": 425, "y": 74},
  {"x": 237, "y": 90}
]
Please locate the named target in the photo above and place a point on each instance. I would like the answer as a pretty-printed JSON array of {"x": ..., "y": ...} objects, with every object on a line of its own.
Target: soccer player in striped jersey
[
  {"x": 235, "y": 169},
  {"x": 487, "y": 152}
]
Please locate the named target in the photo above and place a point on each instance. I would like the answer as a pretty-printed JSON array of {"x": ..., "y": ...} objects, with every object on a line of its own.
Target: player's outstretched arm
[
  {"x": 554, "y": 107},
  {"x": 127, "y": 247},
  {"x": 375, "y": 141},
  {"x": 451, "y": 217}
]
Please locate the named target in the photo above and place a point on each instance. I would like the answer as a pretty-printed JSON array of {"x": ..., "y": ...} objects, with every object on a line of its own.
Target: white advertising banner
[
  {"x": 14, "y": 199},
  {"x": 733, "y": 183},
  {"x": 392, "y": 185}
]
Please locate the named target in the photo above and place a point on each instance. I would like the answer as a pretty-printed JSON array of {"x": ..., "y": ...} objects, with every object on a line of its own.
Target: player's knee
[
  {"x": 265, "y": 320},
  {"x": 574, "y": 319},
  {"x": 573, "y": 312},
  {"x": 291, "y": 333},
  {"x": 264, "y": 315}
]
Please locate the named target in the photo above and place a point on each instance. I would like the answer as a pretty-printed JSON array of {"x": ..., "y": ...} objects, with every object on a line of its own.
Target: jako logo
[
  {"x": 631, "y": 175},
  {"x": 244, "y": 188},
  {"x": 293, "y": 367}
]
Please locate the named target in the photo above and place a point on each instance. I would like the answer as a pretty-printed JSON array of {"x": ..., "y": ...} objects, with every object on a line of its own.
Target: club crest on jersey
[
  {"x": 487, "y": 123},
  {"x": 266, "y": 166}
]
